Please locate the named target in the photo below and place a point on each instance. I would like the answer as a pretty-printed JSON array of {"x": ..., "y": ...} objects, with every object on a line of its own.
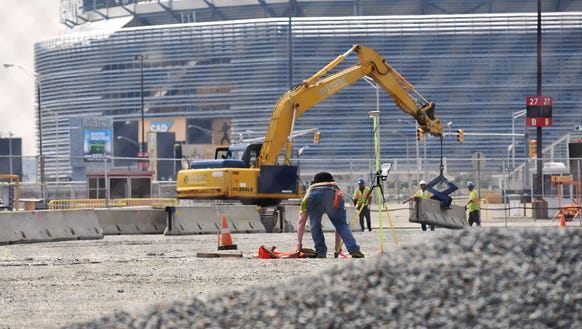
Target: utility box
[
  {"x": 514, "y": 202},
  {"x": 540, "y": 209}
]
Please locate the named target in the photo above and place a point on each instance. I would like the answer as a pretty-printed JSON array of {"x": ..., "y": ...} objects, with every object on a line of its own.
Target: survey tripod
[{"x": 380, "y": 176}]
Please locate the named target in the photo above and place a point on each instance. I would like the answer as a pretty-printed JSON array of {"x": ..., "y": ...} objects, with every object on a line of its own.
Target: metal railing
[{"x": 156, "y": 203}]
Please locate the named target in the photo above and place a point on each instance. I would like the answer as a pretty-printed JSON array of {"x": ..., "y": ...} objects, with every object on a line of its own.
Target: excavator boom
[
  {"x": 265, "y": 181},
  {"x": 317, "y": 89}
]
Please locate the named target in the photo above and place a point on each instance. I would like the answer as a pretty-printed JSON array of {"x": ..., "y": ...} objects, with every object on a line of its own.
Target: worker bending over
[{"x": 324, "y": 197}]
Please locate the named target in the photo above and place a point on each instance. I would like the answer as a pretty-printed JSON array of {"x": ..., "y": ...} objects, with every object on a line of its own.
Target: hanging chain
[{"x": 442, "y": 167}]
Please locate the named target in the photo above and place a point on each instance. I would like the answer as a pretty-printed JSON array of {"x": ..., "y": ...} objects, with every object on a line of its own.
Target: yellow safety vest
[
  {"x": 362, "y": 196},
  {"x": 423, "y": 194},
  {"x": 475, "y": 205}
]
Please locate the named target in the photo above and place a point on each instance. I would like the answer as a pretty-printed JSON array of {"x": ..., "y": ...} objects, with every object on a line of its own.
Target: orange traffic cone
[
  {"x": 225, "y": 238},
  {"x": 562, "y": 220}
]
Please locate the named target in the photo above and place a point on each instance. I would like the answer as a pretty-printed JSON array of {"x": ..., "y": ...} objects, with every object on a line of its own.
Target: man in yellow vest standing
[
  {"x": 473, "y": 205},
  {"x": 362, "y": 198},
  {"x": 422, "y": 193}
]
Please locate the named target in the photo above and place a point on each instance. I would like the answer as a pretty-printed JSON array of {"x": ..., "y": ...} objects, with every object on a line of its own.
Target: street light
[
  {"x": 375, "y": 115},
  {"x": 514, "y": 116},
  {"x": 37, "y": 77},
  {"x": 132, "y": 142},
  {"x": 449, "y": 125},
  {"x": 417, "y": 146},
  {"x": 407, "y": 153},
  {"x": 395, "y": 132},
  {"x": 57, "y": 142},
  {"x": 140, "y": 58},
  {"x": 299, "y": 152},
  {"x": 10, "y": 149},
  {"x": 128, "y": 140},
  {"x": 510, "y": 147},
  {"x": 205, "y": 131},
  {"x": 373, "y": 83}
]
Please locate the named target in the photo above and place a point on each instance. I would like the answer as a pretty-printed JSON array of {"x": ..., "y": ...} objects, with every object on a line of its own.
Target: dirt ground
[{"x": 48, "y": 285}]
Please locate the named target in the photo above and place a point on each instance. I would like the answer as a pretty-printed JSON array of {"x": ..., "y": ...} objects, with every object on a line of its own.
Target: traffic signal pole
[{"x": 538, "y": 185}]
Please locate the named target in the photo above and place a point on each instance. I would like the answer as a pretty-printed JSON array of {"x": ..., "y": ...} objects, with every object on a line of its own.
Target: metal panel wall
[{"x": 477, "y": 68}]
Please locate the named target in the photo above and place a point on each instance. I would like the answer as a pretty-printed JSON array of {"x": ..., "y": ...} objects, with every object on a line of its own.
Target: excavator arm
[{"x": 316, "y": 89}]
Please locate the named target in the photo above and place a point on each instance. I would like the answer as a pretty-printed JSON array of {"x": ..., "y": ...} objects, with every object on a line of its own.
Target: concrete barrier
[
  {"x": 292, "y": 217},
  {"x": 42, "y": 226},
  {"x": 208, "y": 219},
  {"x": 429, "y": 211},
  {"x": 132, "y": 220}
]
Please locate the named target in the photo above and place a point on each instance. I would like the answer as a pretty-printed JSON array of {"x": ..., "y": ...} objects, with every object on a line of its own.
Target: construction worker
[
  {"x": 473, "y": 205},
  {"x": 318, "y": 200},
  {"x": 301, "y": 229},
  {"x": 422, "y": 193},
  {"x": 362, "y": 198}
]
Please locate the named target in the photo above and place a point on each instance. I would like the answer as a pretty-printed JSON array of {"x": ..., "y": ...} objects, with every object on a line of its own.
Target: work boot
[{"x": 357, "y": 254}]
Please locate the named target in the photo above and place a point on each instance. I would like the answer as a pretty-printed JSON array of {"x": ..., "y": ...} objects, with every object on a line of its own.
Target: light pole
[
  {"x": 514, "y": 116},
  {"x": 373, "y": 83},
  {"x": 10, "y": 150},
  {"x": 130, "y": 141},
  {"x": 449, "y": 125},
  {"x": 395, "y": 132},
  {"x": 140, "y": 58},
  {"x": 375, "y": 115},
  {"x": 205, "y": 131},
  {"x": 127, "y": 139},
  {"x": 37, "y": 77},
  {"x": 57, "y": 142},
  {"x": 407, "y": 154},
  {"x": 417, "y": 146},
  {"x": 299, "y": 152}
]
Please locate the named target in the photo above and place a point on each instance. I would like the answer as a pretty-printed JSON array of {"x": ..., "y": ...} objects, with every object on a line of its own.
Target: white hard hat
[{"x": 422, "y": 183}]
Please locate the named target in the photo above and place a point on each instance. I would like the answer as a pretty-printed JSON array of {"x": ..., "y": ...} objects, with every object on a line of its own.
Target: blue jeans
[{"x": 319, "y": 202}]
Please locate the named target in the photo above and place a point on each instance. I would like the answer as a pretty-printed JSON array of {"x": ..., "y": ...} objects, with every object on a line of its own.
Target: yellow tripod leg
[{"x": 391, "y": 225}]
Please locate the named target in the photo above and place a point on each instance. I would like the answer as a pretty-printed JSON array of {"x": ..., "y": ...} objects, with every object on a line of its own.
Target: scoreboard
[{"x": 538, "y": 111}]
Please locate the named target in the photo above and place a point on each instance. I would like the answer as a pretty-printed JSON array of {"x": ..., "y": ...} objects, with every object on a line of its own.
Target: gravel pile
[{"x": 479, "y": 278}]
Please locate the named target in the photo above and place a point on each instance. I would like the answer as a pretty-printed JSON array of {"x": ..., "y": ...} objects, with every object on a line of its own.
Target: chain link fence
[{"x": 498, "y": 181}]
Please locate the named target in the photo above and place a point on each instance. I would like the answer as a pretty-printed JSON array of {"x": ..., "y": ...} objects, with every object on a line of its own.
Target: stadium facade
[{"x": 214, "y": 69}]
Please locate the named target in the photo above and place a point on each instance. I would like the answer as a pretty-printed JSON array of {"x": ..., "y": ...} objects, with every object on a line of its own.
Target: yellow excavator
[{"x": 261, "y": 173}]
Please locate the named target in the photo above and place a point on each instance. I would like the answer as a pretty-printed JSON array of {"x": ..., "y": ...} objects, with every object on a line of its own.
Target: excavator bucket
[{"x": 429, "y": 211}]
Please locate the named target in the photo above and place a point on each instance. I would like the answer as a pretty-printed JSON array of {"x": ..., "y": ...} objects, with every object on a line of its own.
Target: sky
[{"x": 22, "y": 24}]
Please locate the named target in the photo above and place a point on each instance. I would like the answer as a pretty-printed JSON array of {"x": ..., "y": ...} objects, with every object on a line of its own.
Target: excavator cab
[{"x": 234, "y": 156}]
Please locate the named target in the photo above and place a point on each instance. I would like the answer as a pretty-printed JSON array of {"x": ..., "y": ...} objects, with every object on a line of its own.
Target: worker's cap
[
  {"x": 321, "y": 177},
  {"x": 361, "y": 181},
  {"x": 470, "y": 184},
  {"x": 422, "y": 183}
]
